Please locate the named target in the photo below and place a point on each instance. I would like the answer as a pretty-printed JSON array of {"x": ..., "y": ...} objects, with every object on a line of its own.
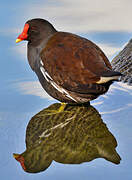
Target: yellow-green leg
[
  {"x": 60, "y": 110},
  {"x": 62, "y": 107}
]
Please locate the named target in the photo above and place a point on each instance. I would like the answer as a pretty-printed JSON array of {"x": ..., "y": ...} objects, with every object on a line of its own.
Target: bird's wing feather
[{"x": 73, "y": 62}]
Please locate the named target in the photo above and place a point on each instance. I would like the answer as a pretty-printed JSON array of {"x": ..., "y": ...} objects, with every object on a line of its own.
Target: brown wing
[{"x": 73, "y": 61}]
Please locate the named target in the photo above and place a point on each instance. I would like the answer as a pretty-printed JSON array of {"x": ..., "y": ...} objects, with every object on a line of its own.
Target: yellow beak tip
[
  {"x": 15, "y": 155},
  {"x": 18, "y": 40}
]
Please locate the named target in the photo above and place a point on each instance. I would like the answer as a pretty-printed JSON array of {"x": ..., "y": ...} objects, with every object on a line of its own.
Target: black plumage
[{"x": 70, "y": 68}]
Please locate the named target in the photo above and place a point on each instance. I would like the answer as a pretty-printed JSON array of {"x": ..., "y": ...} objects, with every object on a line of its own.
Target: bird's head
[
  {"x": 36, "y": 30},
  {"x": 31, "y": 162},
  {"x": 20, "y": 159}
]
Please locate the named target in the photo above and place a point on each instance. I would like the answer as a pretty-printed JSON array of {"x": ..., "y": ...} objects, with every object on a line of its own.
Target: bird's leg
[
  {"x": 62, "y": 107},
  {"x": 60, "y": 110}
]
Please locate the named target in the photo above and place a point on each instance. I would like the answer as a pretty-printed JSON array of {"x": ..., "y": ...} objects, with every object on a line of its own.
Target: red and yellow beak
[
  {"x": 20, "y": 158},
  {"x": 23, "y": 35},
  {"x": 18, "y": 40},
  {"x": 16, "y": 156}
]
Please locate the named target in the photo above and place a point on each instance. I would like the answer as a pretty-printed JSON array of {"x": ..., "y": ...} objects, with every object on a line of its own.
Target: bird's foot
[
  {"x": 62, "y": 107},
  {"x": 60, "y": 110}
]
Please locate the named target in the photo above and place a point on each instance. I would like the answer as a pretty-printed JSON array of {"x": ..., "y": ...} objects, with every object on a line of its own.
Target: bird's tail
[{"x": 109, "y": 153}]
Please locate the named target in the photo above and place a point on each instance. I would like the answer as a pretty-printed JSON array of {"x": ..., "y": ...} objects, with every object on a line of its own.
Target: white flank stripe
[
  {"x": 61, "y": 125},
  {"x": 50, "y": 80},
  {"x": 43, "y": 72},
  {"x": 41, "y": 62},
  {"x": 63, "y": 91}
]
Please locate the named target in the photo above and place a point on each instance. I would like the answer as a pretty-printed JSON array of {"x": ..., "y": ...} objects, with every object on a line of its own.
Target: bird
[
  {"x": 70, "y": 68},
  {"x": 72, "y": 138}
]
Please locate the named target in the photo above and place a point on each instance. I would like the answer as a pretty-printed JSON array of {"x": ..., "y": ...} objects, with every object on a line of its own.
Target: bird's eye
[{"x": 33, "y": 30}]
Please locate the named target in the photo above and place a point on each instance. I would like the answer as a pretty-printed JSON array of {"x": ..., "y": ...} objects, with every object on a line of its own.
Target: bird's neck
[
  {"x": 41, "y": 40},
  {"x": 34, "y": 50}
]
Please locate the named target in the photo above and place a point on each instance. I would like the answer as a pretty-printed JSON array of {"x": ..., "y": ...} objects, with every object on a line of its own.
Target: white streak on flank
[
  {"x": 48, "y": 76},
  {"x": 50, "y": 80},
  {"x": 41, "y": 62},
  {"x": 63, "y": 91},
  {"x": 43, "y": 72},
  {"x": 106, "y": 79},
  {"x": 61, "y": 125},
  {"x": 44, "y": 134}
]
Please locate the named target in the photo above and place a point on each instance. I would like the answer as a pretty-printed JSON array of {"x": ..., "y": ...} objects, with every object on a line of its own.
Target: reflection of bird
[
  {"x": 70, "y": 68},
  {"x": 74, "y": 136}
]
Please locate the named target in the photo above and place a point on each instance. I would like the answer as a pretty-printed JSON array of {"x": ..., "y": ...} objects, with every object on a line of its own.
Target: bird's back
[{"x": 74, "y": 57}]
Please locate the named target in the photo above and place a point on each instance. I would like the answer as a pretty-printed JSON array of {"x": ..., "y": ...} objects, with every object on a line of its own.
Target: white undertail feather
[{"x": 106, "y": 79}]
